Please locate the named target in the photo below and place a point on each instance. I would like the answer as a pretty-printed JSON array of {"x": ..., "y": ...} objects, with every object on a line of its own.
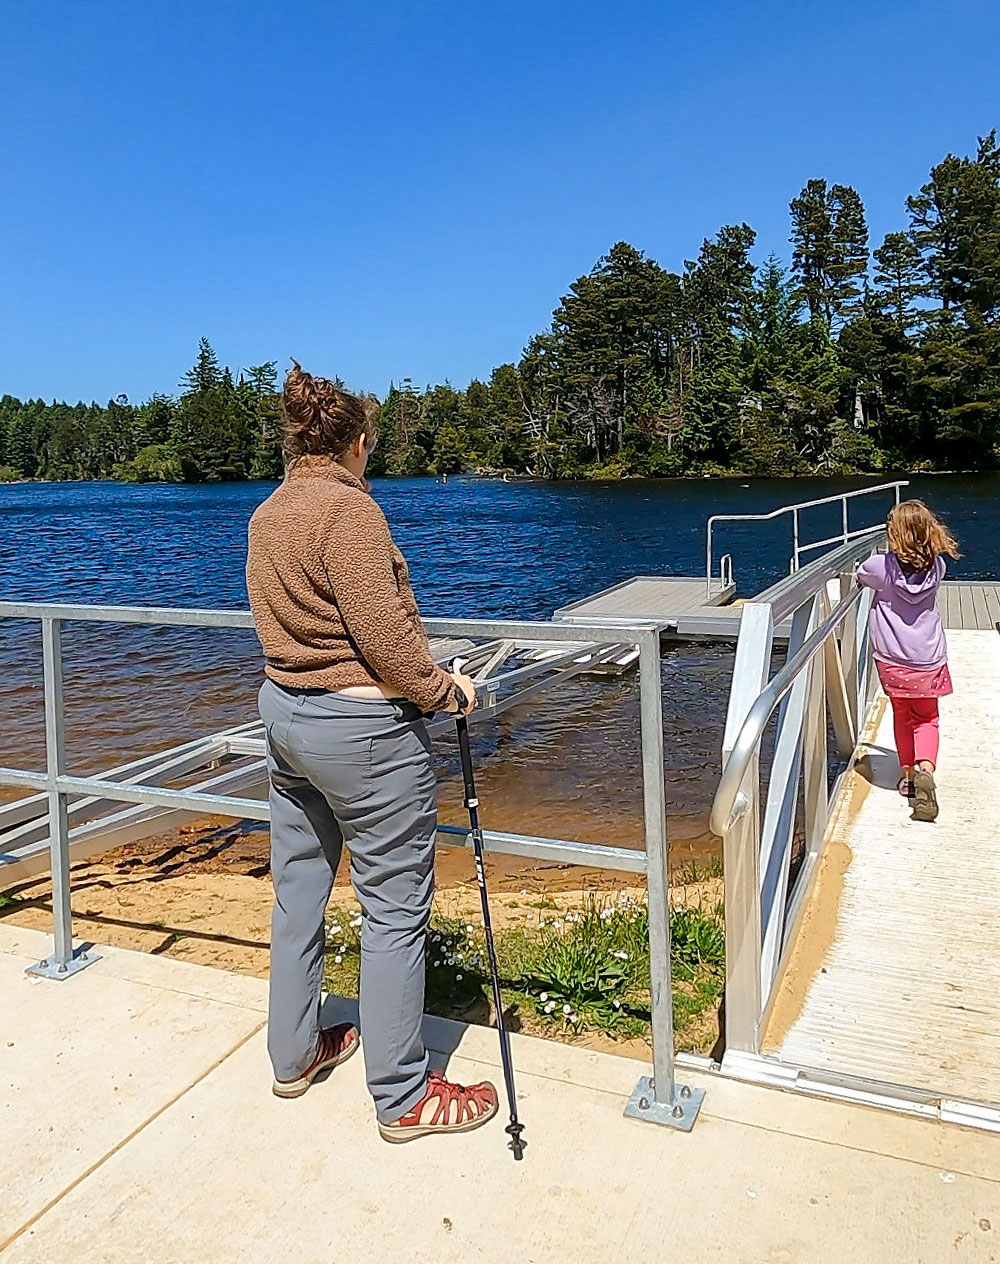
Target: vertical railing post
[
  {"x": 708, "y": 561},
  {"x": 659, "y": 1098},
  {"x": 741, "y": 844},
  {"x": 795, "y": 540},
  {"x": 62, "y": 963},
  {"x": 849, "y": 656},
  {"x": 844, "y": 507},
  {"x": 815, "y": 792}
]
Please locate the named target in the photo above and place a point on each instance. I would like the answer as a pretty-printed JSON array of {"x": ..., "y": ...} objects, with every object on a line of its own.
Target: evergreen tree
[
  {"x": 830, "y": 252},
  {"x": 899, "y": 279}
]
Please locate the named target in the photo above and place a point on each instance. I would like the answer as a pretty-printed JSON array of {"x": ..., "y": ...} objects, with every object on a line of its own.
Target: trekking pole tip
[{"x": 516, "y": 1144}]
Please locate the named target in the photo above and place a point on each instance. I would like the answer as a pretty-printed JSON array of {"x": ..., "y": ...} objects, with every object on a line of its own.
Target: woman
[{"x": 349, "y": 677}]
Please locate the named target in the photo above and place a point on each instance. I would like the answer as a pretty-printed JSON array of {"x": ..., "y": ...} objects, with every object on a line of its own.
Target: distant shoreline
[{"x": 728, "y": 476}]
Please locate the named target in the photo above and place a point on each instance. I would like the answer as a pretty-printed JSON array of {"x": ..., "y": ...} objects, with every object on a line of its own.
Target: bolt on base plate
[
  {"x": 50, "y": 968},
  {"x": 681, "y": 1113}
]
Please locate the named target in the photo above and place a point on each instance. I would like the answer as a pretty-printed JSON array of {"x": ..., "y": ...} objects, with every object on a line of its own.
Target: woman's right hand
[{"x": 467, "y": 686}]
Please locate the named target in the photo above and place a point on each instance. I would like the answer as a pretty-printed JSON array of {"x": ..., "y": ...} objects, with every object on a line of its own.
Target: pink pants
[{"x": 915, "y": 723}]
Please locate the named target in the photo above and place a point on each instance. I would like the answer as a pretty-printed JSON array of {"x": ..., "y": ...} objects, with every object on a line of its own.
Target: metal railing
[
  {"x": 798, "y": 548},
  {"x": 658, "y": 1098},
  {"x": 826, "y": 681}
]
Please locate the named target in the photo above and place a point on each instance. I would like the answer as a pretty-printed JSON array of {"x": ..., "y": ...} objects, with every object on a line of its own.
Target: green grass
[
  {"x": 694, "y": 871},
  {"x": 9, "y": 901},
  {"x": 581, "y": 970}
]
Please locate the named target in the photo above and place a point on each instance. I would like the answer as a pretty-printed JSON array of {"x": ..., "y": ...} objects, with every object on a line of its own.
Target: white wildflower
[
  {"x": 622, "y": 956},
  {"x": 458, "y": 976},
  {"x": 567, "y": 1009},
  {"x": 544, "y": 997},
  {"x": 470, "y": 929},
  {"x": 550, "y": 1007},
  {"x": 337, "y": 960}
]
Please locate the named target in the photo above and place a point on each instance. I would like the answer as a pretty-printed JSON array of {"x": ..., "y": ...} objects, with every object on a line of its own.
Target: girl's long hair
[{"x": 918, "y": 537}]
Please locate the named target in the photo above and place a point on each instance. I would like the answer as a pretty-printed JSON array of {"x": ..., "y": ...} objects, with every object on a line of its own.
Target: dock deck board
[
  {"x": 680, "y": 606},
  {"x": 895, "y": 974},
  {"x": 972, "y": 605},
  {"x": 661, "y": 599}
]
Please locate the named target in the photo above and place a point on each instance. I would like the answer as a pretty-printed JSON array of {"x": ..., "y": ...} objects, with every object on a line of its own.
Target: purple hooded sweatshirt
[{"x": 905, "y": 626}]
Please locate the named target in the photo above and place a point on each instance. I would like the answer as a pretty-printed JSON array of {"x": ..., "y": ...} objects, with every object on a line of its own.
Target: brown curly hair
[
  {"x": 917, "y": 536},
  {"x": 319, "y": 418}
]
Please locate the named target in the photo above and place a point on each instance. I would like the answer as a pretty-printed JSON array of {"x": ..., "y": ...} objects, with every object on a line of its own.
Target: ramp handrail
[
  {"x": 729, "y": 803},
  {"x": 773, "y": 829},
  {"x": 798, "y": 548}
]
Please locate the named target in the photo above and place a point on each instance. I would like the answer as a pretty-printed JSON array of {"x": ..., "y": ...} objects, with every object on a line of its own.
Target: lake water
[{"x": 565, "y": 763}]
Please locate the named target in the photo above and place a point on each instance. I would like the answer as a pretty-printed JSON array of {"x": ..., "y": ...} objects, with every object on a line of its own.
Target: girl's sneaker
[{"x": 925, "y": 804}]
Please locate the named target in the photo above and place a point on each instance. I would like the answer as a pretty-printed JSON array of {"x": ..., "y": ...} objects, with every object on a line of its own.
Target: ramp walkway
[
  {"x": 862, "y": 947},
  {"x": 895, "y": 974},
  {"x": 139, "y": 1126}
]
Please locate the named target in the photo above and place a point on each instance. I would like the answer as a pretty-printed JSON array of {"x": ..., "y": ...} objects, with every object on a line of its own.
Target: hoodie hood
[{"x": 913, "y": 586}]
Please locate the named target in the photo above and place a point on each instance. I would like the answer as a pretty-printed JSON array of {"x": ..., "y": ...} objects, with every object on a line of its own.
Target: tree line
[{"x": 848, "y": 360}]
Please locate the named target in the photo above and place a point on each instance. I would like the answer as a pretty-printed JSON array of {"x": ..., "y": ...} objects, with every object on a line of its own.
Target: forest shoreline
[
  {"x": 512, "y": 477},
  {"x": 848, "y": 361}
]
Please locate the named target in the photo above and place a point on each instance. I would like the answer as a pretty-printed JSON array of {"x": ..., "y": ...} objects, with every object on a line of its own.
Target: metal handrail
[
  {"x": 659, "y": 1097},
  {"x": 797, "y": 549},
  {"x": 730, "y": 803}
]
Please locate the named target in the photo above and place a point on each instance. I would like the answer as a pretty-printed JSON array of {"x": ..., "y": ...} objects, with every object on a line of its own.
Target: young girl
[{"x": 908, "y": 642}]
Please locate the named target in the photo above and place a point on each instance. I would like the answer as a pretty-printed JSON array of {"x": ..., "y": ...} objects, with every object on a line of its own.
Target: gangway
[{"x": 863, "y": 948}]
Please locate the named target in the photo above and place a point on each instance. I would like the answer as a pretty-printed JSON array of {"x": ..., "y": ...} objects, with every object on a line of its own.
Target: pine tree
[
  {"x": 265, "y": 415},
  {"x": 830, "y": 252},
  {"x": 899, "y": 279},
  {"x": 204, "y": 375}
]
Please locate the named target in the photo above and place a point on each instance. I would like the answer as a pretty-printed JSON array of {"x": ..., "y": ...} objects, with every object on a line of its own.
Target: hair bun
[{"x": 320, "y": 417}]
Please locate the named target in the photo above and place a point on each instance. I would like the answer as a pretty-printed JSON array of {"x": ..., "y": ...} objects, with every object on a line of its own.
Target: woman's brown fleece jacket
[{"x": 330, "y": 592}]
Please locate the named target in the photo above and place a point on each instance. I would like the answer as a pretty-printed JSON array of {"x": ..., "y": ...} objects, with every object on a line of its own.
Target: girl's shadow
[{"x": 880, "y": 767}]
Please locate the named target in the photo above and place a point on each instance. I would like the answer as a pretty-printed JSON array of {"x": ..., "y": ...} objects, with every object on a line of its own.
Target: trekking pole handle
[{"x": 464, "y": 751}]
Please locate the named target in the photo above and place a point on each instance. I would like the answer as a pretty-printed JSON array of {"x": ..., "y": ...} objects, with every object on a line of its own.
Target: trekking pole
[{"x": 515, "y": 1127}]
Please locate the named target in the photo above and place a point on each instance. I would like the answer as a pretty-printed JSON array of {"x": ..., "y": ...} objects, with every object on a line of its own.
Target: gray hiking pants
[{"x": 358, "y": 771}]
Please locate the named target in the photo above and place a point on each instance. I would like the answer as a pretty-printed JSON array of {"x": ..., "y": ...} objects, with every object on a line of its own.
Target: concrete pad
[
  {"x": 229, "y": 1173},
  {"x": 86, "y": 1062},
  {"x": 195, "y": 1160},
  {"x": 889, "y": 1133},
  {"x": 142, "y": 967}
]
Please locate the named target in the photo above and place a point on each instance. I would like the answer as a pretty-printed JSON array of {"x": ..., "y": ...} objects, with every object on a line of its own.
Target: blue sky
[{"x": 388, "y": 189}]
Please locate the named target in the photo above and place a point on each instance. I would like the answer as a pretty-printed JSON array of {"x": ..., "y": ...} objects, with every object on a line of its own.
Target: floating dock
[{"x": 683, "y": 609}]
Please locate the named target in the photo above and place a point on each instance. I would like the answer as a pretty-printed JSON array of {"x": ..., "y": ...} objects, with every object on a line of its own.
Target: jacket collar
[{"x": 313, "y": 466}]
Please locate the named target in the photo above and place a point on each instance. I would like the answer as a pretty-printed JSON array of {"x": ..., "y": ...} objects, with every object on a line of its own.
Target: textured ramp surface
[{"x": 906, "y": 988}]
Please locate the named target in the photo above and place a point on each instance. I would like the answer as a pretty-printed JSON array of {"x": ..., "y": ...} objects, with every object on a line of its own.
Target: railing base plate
[
  {"x": 49, "y": 968},
  {"x": 681, "y": 1113}
]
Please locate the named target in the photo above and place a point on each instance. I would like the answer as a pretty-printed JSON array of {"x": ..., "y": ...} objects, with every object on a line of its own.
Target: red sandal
[
  {"x": 336, "y": 1044},
  {"x": 458, "y": 1109}
]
